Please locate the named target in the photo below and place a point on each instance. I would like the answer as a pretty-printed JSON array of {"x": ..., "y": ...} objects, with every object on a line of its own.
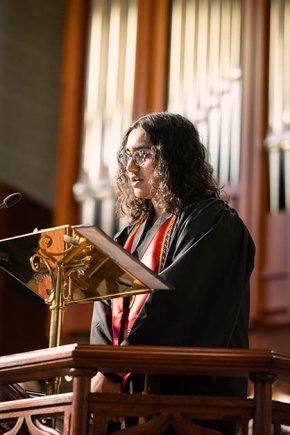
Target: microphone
[{"x": 11, "y": 200}]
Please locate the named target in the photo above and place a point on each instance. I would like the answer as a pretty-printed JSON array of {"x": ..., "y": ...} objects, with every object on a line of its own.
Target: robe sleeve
[
  {"x": 209, "y": 265},
  {"x": 101, "y": 325}
]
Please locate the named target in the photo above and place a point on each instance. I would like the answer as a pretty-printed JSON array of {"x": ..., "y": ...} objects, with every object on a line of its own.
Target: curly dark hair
[{"x": 181, "y": 170}]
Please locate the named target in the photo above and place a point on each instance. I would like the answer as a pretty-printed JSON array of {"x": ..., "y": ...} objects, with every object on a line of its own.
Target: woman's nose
[{"x": 131, "y": 166}]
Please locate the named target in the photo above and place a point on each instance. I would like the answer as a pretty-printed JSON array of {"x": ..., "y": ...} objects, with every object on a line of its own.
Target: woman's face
[{"x": 140, "y": 171}]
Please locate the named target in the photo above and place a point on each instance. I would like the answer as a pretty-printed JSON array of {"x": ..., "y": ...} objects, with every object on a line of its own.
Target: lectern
[{"x": 74, "y": 264}]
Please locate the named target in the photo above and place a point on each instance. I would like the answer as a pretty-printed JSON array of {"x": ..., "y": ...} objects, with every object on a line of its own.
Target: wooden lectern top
[{"x": 95, "y": 267}]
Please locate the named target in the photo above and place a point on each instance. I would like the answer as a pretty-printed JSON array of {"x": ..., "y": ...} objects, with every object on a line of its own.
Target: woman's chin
[{"x": 140, "y": 194}]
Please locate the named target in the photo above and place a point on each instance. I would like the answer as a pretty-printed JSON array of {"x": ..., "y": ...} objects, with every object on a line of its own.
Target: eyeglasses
[{"x": 138, "y": 157}]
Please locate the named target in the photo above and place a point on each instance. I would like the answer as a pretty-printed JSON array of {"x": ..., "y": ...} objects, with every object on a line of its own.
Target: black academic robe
[{"x": 209, "y": 263}]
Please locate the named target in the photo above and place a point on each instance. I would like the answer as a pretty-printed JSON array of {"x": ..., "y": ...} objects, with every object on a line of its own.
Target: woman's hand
[{"x": 101, "y": 384}]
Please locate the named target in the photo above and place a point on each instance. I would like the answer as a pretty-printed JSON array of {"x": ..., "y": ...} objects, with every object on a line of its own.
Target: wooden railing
[{"x": 79, "y": 408}]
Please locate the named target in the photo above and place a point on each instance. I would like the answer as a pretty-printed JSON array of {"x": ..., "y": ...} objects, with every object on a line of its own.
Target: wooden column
[
  {"x": 71, "y": 110},
  {"x": 81, "y": 388},
  {"x": 152, "y": 56},
  {"x": 255, "y": 65},
  {"x": 263, "y": 403}
]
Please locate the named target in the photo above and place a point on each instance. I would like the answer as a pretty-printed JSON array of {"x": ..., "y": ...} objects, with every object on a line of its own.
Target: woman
[{"x": 182, "y": 229}]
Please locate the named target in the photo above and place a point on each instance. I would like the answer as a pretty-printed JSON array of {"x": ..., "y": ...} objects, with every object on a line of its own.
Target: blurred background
[{"x": 75, "y": 73}]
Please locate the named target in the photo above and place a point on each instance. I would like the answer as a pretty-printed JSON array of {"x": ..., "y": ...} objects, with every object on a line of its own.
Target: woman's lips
[{"x": 135, "y": 181}]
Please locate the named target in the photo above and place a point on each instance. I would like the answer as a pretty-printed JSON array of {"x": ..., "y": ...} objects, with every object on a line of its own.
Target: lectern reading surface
[{"x": 93, "y": 265}]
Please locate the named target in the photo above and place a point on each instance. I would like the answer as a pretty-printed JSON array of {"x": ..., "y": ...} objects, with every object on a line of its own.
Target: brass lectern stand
[{"x": 74, "y": 264}]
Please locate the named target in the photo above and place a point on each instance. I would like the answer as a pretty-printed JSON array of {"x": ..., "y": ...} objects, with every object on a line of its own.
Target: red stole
[{"x": 152, "y": 258}]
